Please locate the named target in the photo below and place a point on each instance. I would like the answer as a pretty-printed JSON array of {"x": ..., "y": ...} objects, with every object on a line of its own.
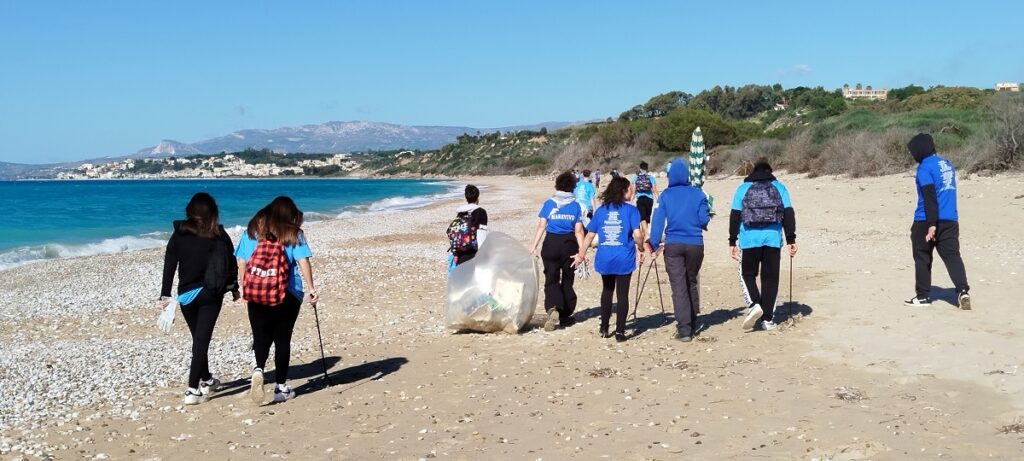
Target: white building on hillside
[
  {"x": 861, "y": 92},
  {"x": 1008, "y": 87}
]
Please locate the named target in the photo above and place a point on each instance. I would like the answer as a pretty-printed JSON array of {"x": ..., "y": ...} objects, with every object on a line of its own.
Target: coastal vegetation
[{"x": 808, "y": 130}]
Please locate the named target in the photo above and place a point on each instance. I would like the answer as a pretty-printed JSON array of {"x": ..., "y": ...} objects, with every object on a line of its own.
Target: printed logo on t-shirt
[
  {"x": 565, "y": 217},
  {"x": 612, "y": 230},
  {"x": 946, "y": 170}
]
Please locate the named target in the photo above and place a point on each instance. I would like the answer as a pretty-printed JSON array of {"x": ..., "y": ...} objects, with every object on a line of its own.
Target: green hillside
[{"x": 801, "y": 129}]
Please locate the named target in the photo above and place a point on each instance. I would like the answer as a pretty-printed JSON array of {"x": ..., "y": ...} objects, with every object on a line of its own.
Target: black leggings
[
  {"x": 557, "y": 254},
  {"x": 619, "y": 284},
  {"x": 201, "y": 316},
  {"x": 274, "y": 325},
  {"x": 766, "y": 259}
]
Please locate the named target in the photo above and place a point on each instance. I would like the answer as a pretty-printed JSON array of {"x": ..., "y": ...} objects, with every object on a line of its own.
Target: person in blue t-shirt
[
  {"x": 561, "y": 218},
  {"x": 616, "y": 225},
  {"x": 586, "y": 194},
  {"x": 761, "y": 214},
  {"x": 681, "y": 216},
  {"x": 936, "y": 223},
  {"x": 279, "y": 221},
  {"x": 646, "y": 193}
]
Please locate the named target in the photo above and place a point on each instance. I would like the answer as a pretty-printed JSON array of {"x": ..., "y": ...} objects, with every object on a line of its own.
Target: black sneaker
[
  {"x": 917, "y": 302},
  {"x": 620, "y": 337},
  {"x": 965, "y": 301},
  {"x": 604, "y": 332},
  {"x": 684, "y": 338},
  {"x": 567, "y": 322}
]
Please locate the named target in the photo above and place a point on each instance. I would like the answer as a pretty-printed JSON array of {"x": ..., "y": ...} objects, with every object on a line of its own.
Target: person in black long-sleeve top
[{"x": 189, "y": 252}]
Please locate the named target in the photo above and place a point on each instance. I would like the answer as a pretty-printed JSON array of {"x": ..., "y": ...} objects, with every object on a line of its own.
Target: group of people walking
[
  {"x": 269, "y": 268},
  {"x": 762, "y": 226},
  {"x": 670, "y": 224}
]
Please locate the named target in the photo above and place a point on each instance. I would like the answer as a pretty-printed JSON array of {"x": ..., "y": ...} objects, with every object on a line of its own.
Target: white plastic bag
[
  {"x": 496, "y": 290},
  {"x": 166, "y": 318}
]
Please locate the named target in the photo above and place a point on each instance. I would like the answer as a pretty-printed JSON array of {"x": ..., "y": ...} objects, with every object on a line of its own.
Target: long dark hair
[
  {"x": 280, "y": 220},
  {"x": 201, "y": 216},
  {"x": 615, "y": 193}
]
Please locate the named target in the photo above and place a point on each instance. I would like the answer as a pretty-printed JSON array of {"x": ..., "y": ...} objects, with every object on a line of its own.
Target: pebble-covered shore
[{"x": 79, "y": 337}]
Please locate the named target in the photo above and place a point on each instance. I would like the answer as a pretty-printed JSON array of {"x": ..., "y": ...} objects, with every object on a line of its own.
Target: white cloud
[{"x": 801, "y": 69}]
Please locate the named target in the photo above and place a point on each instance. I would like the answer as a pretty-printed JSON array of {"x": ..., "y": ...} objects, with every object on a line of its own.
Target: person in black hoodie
[
  {"x": 761, "y": 214},
  {"x": 197, "y": 240}
]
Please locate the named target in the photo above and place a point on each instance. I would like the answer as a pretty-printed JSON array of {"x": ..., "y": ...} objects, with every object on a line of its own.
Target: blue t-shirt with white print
[
  {"x": 616, "y": 249},
  {"x": 561, "y": 220},
  {"x": 763, "y": 236},
  {"x": 293, "y": 253},
  {"x": 937, "y": 171}
]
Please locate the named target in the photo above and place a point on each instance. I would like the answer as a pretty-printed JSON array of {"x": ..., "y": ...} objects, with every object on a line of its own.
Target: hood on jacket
[
  {"x": 762, "y": 172},
  {"x": 921, "y": 146},
  {"x": 563, "y": 198},
  {"x": 678, "y": 173},
  {"x": 467, "y": 208}
]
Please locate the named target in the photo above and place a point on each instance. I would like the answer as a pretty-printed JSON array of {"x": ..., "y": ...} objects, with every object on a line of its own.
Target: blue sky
[{"x": 85, "y": 79}]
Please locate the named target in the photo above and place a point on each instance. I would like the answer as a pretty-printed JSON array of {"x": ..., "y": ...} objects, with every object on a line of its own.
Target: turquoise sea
[{"x": 55, "y": 219}]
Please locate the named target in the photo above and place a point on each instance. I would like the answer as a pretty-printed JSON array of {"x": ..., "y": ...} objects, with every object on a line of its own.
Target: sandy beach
[{"x": 850, "y": 374}]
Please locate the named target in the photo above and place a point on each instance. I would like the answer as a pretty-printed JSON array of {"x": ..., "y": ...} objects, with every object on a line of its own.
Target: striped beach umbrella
[{"x": 697, "y": 159}]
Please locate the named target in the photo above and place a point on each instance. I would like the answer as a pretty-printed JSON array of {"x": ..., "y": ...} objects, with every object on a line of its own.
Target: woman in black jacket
[{"x": 200, "y": 251}]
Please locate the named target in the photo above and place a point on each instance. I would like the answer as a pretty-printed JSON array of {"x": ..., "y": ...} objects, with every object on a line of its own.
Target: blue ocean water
[{"x": 54, "y": 219}]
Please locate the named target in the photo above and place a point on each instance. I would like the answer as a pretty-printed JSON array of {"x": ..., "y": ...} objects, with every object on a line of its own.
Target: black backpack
[
  {"x": 762, "y": 205},
  {"x": 221, "y": 268}
]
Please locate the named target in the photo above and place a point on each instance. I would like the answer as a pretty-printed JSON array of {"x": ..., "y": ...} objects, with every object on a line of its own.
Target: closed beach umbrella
[{"x": 697, "y": 159}]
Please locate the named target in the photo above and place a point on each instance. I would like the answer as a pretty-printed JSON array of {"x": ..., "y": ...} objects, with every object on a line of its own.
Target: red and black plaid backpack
[{"x": 266, "y": 274}]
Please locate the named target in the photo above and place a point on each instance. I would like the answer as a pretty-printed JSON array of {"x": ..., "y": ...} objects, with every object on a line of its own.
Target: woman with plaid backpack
[{"x": 273, "y": 260}]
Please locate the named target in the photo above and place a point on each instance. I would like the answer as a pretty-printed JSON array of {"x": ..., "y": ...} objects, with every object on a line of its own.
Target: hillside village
[{"x": 217, "y": 166}]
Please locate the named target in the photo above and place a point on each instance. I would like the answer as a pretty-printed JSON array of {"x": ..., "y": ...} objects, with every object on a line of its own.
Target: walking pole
[
  {"x": 658, "y": 279},
  {"x": 791, "y": 287},
  {"x": 323, "y": 360},
  {"x": 641, "y": 292}
]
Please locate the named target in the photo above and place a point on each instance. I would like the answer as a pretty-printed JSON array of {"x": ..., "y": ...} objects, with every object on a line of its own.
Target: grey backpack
[{"x": 762, "y": 205}]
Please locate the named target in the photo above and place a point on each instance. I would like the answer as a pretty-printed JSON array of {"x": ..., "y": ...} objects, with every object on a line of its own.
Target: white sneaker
[
  {"x": 210, "y": 386},
  {"x": 768, "y": 325},
  {"x": 256, "y": 392},
  {"x": 965, "y": 301},
  {"x": 282, "y": 393},
  {"x": 753, "y": 315},
  {"x": 194, "y": 397}
]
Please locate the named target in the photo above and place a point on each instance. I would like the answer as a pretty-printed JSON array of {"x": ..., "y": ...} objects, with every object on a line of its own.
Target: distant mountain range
[
  {"x": 357, "y": 136},
  {"x": 354, "y": 136}
]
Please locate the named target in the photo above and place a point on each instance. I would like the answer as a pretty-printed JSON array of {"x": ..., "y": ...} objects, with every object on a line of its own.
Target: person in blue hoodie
[
  {"x": 935, "y": 222},
  {"x": 761, "y": 214},
  {"x": 681, "y": 215}
]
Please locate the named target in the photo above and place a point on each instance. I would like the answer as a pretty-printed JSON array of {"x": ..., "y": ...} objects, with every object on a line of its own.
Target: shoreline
[
  {"x": 850, "y": 373},
  {"x": 147, "y": 240}
]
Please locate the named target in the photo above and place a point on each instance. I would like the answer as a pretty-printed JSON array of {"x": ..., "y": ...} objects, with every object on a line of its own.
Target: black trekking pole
[
  {"x": 657, "y": 278},
  {"x": 323, "y": 360},
  {"x": 791, "y": 287},
  {"x": 636, "y": 304}
]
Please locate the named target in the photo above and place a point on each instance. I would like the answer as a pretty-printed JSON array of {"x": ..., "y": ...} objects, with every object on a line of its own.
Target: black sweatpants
[
  {"x": 557, "y": 254},
  {"x": 620, "y": 285},
  {"x": 766, "y": 260},
  {"x": 947, "y": 241},
  {"x": 274, "y": 325},
  {"x": 682, "y": 262},
  {"x": 201, "y": 317}
]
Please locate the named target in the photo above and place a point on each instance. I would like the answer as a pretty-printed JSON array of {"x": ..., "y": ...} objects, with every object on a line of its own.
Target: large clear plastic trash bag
[{"x": 495, "y": 291}]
